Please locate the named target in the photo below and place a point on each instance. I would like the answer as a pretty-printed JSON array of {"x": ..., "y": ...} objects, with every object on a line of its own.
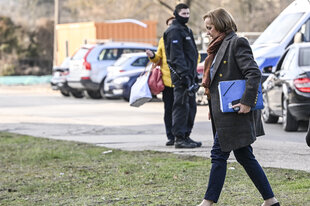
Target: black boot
[
  {"x": 308, "y": 135},
  {"x": 308, "y": 138},
  {"x": 184, "y": 143},
  {"x": 170, "y": 142},
  {"x": 198, "y": 144}
]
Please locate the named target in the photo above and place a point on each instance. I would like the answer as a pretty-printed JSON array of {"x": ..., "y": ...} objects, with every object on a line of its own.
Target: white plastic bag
[{"x": 140, "y": 92}]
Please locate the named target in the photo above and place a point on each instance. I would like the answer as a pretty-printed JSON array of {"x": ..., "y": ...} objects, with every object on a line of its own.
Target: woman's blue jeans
[{"x": 219, "y": 166}]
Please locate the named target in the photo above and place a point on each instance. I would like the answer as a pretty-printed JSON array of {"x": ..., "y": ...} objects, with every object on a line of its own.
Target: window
[
  {"x": 109, "y": 54},
  {"x": 278, "y": 29},
  {"x": 140, "y": 62},
  {"x": 132, "y": 50},
  {"x": 304, "y": 55},
  {"x": 115, "y": 53},
  {"x": 305, "y": 30},
  {"x": 288, "y": 59}
]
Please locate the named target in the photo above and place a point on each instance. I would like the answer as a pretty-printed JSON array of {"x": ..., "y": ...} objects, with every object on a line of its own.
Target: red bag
[{"x": 155, "y": 81}]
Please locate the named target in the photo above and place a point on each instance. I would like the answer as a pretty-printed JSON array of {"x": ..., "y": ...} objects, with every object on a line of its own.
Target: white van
[{"x": 293, "y": 24}]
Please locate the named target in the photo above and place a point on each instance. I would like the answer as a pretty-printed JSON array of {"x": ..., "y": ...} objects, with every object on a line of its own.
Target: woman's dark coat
[{"x": 234, "y": 60}]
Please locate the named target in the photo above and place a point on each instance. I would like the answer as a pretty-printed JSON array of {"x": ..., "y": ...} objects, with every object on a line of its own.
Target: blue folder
[{"x": 231, "y": 93}]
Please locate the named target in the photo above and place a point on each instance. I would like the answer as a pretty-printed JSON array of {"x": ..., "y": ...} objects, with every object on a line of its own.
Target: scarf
[
  {"x": 182, "y": 20},
  {"x": 211, "y": 51}
]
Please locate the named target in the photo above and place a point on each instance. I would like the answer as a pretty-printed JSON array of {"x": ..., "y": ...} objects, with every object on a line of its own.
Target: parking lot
[{"x": 42, "y": 112}]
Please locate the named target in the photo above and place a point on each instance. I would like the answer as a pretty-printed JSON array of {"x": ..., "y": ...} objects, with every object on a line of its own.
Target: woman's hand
[
  {"x": 149, "y": 53},
  {"x": 243, "y": 109}
]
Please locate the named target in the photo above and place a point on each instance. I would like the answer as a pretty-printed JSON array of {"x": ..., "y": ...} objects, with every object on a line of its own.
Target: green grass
[{"x": 35, "y": 171}]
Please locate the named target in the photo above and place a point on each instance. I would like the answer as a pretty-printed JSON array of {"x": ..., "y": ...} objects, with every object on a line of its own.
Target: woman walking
[{"x": 230, "y": 58}]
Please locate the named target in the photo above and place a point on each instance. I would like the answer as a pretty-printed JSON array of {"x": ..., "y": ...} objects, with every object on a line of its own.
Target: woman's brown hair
[
  {"x": 222, "y": 20},
  {"x": 170, "y": 18}
]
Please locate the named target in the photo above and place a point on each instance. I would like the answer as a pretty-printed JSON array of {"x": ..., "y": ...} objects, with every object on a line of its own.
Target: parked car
[
  {"x": 130, "y": 61},
  {"x": 77, "y": 57},
  {"x": 90, "y": 72},
  {"x": 119, "y": 84},
  {"x": 286, "y": 92},
  {"x": 293, "y": 24},
  {"x": 59, "y": 78}
]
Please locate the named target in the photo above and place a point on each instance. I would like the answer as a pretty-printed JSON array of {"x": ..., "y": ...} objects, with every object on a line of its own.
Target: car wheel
[
  {"x": 267, "y": 117},
  {"x": 65, "y": 93},
  {"x": 77, "y": 93},
  {"x": 126, "y": 99},
  {"x": 289, "y": 122},
  {"x": 308, "y": 135},
  {"x": 101, "y": 88},
  {"x": 94, "y": 94}
]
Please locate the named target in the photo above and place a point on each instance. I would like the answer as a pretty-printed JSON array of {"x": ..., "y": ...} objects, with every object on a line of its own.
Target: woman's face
[{"x": 211, "y": 31}]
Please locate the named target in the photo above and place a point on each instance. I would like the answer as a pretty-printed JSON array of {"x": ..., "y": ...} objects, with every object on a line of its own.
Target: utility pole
[{"x": 56, "y": 21}]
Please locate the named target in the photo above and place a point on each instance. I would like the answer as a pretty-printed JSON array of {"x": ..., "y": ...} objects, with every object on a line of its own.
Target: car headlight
[{"x": 121, "y": 80}]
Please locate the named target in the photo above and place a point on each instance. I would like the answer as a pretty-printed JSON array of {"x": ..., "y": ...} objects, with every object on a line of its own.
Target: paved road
[{"x": 41, "y": 112}]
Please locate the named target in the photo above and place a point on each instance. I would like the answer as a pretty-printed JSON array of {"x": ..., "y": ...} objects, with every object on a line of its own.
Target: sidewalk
[
  {"x": 41, "y": 112},
  {"x": 288, "y": 155}
]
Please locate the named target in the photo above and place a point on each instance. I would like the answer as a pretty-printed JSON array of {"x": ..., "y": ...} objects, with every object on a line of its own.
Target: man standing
[{"x": 182, "y": 56}]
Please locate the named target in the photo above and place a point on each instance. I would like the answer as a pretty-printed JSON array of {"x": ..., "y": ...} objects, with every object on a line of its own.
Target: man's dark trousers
[
  {"x": 168, "y": 103},
  {"x": 184, "y": 112}
]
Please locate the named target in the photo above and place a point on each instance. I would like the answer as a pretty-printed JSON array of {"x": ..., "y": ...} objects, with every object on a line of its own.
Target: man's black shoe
[
  {"x": 170, "y": 142},
  {"x": 184, "y": 143},
  {"x": 198, "y": 144},
  {"x": 308, "y": 137}
]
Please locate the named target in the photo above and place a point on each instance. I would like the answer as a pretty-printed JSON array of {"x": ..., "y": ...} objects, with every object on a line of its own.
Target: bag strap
[
  {"x": 154, "y": 65},
  {"x": 144, "y": 72},
  {"x": 158, "y": 63}
]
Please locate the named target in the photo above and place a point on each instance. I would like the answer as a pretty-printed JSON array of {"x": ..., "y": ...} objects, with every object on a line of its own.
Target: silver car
[{"x": 88, "y": 74}]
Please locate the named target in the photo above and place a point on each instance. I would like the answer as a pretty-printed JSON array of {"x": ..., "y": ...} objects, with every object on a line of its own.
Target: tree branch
[{"x": 167, "y": 7}]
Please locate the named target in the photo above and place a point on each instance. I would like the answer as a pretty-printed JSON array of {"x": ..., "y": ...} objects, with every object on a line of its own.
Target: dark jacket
[
  {"x": 234, "y": 61},
  {"x": 181, "y": 51}
]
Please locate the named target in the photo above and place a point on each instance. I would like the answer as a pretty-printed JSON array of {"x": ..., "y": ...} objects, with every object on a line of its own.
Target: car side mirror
[{"x": 267, "y": 70}]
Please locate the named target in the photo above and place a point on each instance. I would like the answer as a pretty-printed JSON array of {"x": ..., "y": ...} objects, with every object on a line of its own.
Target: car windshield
[
  {"x": 304, "y": 59},
  {"x": 80, "y": 54},
  {"x": 121, "y": 60},
  {"x": 140, "y": 62},
  {"x": 278, "y": 29}
]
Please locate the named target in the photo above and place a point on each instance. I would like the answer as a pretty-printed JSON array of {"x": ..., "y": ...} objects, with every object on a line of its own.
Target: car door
[
  {"x": 106, "y": 57},
  {"x": 276, "y": 82}
]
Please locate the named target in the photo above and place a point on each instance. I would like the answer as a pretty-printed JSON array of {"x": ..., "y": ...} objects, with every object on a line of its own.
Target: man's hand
[
  {"x": 149, "y": 53},
  {"x": 243, "y": 108}
]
